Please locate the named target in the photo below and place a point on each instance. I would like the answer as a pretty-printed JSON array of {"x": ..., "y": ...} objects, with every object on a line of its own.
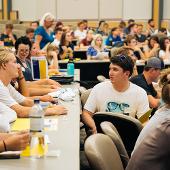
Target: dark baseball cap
[{"x": 154, "y": 62}]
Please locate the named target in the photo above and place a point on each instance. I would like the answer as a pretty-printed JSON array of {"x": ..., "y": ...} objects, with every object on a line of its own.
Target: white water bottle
[
  {"x": 37, "y": 144},
  {"x": 36, "y": 117}
]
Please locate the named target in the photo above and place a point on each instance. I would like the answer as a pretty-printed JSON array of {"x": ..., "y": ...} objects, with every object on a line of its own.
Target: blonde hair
[
  {"x": 5, "y": 54},
  {"x": 51, "y": 47},
  {"x": 47, "y": 16},
  {"x": 95, "y": 38}
]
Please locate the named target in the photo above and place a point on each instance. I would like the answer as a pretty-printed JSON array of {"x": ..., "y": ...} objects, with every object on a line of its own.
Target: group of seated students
[{"x": 125, "y": 92}]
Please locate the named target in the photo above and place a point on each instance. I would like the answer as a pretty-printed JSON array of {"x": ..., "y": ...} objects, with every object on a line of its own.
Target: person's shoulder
[
  {"x": 103, "y": 85},
  {"x": 137, "y": 79},
  {"x": 137, "y": 89},
  {"x": 39, "y": 29},
  {"x": 90, "y": 48}
]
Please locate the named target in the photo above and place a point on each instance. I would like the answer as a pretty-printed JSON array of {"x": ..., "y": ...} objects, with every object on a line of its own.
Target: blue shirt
[
  {"x": 91, "y": 51},
  {"x": 46, "y": 38},
  {"x": 110, "y": 40}
]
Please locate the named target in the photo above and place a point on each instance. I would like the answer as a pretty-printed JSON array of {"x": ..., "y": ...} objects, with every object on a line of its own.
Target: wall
[
  {"x": 86, "y": 9},
  {"x": 33, "y": 9}
]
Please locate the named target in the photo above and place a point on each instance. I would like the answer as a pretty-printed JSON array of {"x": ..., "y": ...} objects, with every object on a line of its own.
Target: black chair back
[{"x": 128, "y": 127}]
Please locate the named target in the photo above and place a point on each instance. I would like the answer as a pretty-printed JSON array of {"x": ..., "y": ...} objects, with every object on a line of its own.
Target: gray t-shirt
[
  {"x": 159, "y": 117},
  {"x": 154, "y": 150}
]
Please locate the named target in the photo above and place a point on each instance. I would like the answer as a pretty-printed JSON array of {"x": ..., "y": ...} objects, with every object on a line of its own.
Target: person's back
[
  {"x": 160, "y": 116},
  {"x": 154, "y": 151}
]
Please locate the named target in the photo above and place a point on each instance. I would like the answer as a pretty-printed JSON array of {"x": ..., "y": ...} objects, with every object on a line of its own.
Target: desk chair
[
  {"x": 127, "y": 126},
  {"x": 110, "y": 130},
  {"x": 102, "y": 153},
  {"x": 84, "y": 97}
]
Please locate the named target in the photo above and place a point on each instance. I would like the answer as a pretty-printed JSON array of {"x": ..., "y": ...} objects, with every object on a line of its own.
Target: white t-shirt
[
  {"x": 104, "y": 98},
  {"x": 9, "y": 95},
  {"x": 56, "y": 42},
  {"x": 81, "y": 35},
  {"x": 7, "y": 115},
  {"x": 162, "y": 54}
]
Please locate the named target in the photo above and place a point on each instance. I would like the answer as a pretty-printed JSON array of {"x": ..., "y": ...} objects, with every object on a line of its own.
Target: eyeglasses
[
  {"x": 112, "y": 106},
  {"x": 24, "y": 50}
]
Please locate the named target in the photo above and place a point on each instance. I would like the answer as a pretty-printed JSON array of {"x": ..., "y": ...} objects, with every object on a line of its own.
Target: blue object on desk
[{"x": 70, "y": 69}]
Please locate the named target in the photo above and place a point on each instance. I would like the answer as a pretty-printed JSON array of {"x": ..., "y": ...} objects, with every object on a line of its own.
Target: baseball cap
[{"x": 154, "y": 62}]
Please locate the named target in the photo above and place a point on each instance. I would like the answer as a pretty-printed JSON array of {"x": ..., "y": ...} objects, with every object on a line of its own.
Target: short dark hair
[
  {"x": 22, "y": 40},
  {"x": 150, "y": 20},
  {"x": 123, "y": 61},
  {"x": 114, "y": 29},
  {"x": 131, "y": 20},
  {"x": 57, "y": 30},
  {"x": 29, "y": 30},
  {"x": 10, "y": 26},
  {"x": 37, "y": 22}
]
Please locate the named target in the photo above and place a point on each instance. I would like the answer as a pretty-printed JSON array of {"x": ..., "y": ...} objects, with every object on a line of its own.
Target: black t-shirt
[
  {"x": 140, "y": 38},
  {"x": 141, "y": 81},
  {"x": 26, "y": 70},
  {"x": 7, "y": 40}
]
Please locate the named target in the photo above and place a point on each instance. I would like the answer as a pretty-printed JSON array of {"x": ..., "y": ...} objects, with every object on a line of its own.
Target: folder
[{"x": 39, "y": 68}]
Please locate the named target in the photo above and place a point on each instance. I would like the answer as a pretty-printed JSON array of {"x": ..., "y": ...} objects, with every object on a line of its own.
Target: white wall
[
  {"x": 137, "y": 9},
  {"x": 85, "y": 9},
  {"x": 77, "y": 9},
  {"x": 166, "y": 11},
  {"x": 33, "y": 9},
  {"x": 110, "y": 9},
  {"x": 0, "y": 4}
]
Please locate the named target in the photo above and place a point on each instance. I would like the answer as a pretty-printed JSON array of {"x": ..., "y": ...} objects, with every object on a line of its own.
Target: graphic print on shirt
[{"x": 116, "y": 107}]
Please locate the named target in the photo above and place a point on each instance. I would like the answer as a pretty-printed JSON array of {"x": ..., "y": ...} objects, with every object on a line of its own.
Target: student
[
  {"x": 150, "y": 74},
  {"x": 34, "y": 24},
  {"x": 161, "y": 115},
  {"x": 117, "y": 95},
  {"x": 30, "y": 34},
  {"x": 58, "y": 33},
  {"x": 80, "y": 33},
  {"x": 8, "y": 37},
  {"x": 164, "y": 52},
  {"x": 152, "y": 49},
  {"x": 95, "y": 50},
  {"x": 114, "y": 38},
  {"x": 9, "y": 96},
  {"x": 131, "y": 42},
  {"x": 66, "y": 46}
]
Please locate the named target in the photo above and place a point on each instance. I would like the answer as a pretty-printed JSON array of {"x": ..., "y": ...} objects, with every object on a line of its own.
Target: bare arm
[
  {"x": 54, "y": 64},
  {"x": 88, "y": 120},
  {"x": 23, "y": 89},
  {"x": 38, "y": 39},
  {"x": 39, "y": 91},
  {"x": 153, "y": 102},
  {"x": 21, "y": 111}
]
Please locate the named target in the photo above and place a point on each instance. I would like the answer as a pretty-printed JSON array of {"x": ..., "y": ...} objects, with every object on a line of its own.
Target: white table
[{"x": 65, "y": 139}]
